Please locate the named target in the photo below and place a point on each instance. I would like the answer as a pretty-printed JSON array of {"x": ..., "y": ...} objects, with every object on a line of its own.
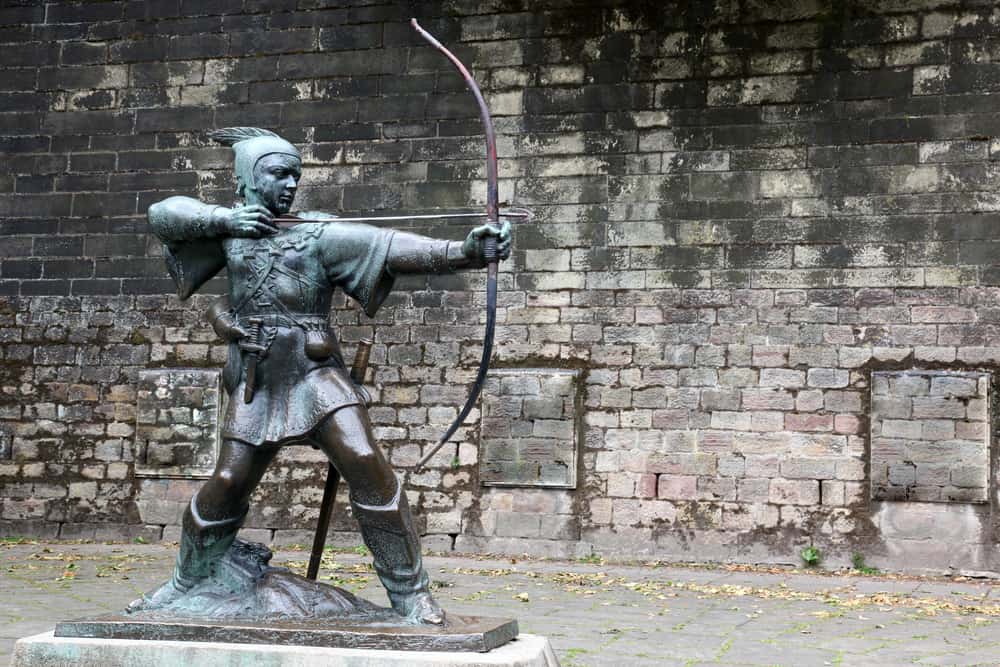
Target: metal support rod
[{"x": 323, "y": 524}]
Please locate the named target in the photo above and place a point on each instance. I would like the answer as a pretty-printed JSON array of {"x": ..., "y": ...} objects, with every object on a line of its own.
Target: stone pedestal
[{"x": 46, "y": 650}]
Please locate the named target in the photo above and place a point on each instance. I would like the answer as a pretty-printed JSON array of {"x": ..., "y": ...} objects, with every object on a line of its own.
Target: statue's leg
[
  {"x": 212, "y": 519},
  {"x": 382, "y": 511}
]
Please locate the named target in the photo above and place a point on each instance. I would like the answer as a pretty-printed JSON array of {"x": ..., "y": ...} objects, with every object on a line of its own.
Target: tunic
[{"x": 286, "y": 282}]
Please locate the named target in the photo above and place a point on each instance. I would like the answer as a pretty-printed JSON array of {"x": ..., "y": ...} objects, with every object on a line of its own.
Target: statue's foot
[
  {"x": 421, "y": 608},
  {"x": 163, "y": 596}
]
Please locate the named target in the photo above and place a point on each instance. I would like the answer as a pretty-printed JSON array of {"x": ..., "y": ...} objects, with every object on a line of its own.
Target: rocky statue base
[
  {"x": 245, "y": 586},
  {"x": 247, "y": 601}
]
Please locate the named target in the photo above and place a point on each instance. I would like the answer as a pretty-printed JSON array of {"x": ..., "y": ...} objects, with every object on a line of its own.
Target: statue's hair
[{"x": 227, "y": 136}]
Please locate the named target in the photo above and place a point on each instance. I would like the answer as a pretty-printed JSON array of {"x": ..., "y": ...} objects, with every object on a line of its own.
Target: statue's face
[{"x": 276, "y": 179}]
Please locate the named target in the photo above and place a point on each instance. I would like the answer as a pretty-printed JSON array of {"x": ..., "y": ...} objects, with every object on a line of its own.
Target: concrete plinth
[{"x": 45, "y": 650}]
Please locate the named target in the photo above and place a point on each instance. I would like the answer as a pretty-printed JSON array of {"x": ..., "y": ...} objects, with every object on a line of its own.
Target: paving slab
[{"x": 592, "y": 613}]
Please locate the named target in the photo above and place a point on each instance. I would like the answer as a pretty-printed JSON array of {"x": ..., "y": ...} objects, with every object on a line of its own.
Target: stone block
[
  {"x": 677, "y": 487},
  {"x": 794, "y": 492}
]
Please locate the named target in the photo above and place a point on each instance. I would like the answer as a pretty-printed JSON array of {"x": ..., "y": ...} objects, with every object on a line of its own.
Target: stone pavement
[{"x": 593, "y": 613}]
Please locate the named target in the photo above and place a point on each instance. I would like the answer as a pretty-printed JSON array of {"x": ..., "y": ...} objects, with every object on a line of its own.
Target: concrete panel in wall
[
  {"x": 528, "y": 434},
  {"x": 177, "y": 422}
]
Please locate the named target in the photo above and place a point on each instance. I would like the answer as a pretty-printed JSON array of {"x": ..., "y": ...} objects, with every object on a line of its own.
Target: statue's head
[{"x": 268, "y": 168}]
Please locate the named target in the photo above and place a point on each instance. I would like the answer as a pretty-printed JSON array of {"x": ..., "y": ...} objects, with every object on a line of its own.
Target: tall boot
[
  {"x": 389, "y": 534},
  {"x": 203, "y": 544}
]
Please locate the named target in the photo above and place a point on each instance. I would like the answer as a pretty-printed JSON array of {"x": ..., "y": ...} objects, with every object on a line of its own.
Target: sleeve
[
  {"x": 194, "y": 254},
  {"x": 355, "y": 259}
]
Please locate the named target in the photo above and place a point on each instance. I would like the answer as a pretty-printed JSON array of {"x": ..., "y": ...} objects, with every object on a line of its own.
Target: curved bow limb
[{"x": 490, "y": 249}]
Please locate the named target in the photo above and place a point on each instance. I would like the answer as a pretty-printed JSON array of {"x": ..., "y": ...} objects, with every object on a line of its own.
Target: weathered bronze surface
[
  {"x": 288, "y": 383},
  {"x": 460, "y": 633},
  {"x": 286, "y": 376}
]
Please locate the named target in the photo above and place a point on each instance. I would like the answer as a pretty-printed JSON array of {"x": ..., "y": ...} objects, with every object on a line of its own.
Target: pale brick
[
  {"x": 752, "y": 490},
  {"x": 646, "y": 486},
  {"x": 677, "y": 487},
  {"x": 621, "y": 484},
  {"x": 794, "y": 492},
  {"x": 782, "y": 377},
  {"x": 802, "y": 468},
  {"x": 829, "y": 378},
  {"x": 808, "y": 422}
]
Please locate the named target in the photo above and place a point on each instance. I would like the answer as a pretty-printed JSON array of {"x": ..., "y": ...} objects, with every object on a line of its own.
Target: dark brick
[
  {"x": 258, "y": 115},
  {"x": 101, "y": 162},
  {"x": 96, "y": 286},
  {"x": 35, "y": 205},
  {"x": 68, "y": 268},
  {"x": 130, "y": 268},
  {"x": 346, "y": 63},
  {"x": 182, "y": 26},
  {"x": 759, "y": 257},
  {"x": 115, "y": 245},
  {"x": 273, "y": 41},
  {"x": 157, "y": 74},
  {"x": 195, "y": 47},
  {"x": 32, "y": 55},
  {"x": 150, "y": 286},
  {"x": 152, "y": 9},
  {"x": 45, "y": 288},
  {"x": 25, "y": 101},
  {"x": 394, "y": 107},
  {"x": 21, "y": 79},
  {"x": 588, "y": 98},
  {"x": 153, "y": 181},
  {"x": 104, "y": 204},
  {"x": 307, "y": 113},
  {"x": 346, "y": 132},
  {"x": 362, "y": 86},
  {"x": 19, "y": 123},
  {"x": 20, "y": 269},
  {"x": 30, "y": 13},
  {"x": 876, "y": 83},
  {"x": 82, "y": 183},
  {"x": 159, "y": 120},
  {"x": 371, "y": 197},
  {"x": 351, "y": 37},
  {"x": 730, "y": 185},
  {"x": 916, "y": 129},
  {"x": 65, "y": 246},
  {"x": 40, "y": 183},
  {"x": 85, "y": 12},
  {"x": 876, "y": 154},
  {"x": 210, "y": 7},
  {"x": 149, "y": 49},
  {"x": 245, "y": 23},
  {"x": 88, "y": 122},
  {"x": 76, "y": 78}
]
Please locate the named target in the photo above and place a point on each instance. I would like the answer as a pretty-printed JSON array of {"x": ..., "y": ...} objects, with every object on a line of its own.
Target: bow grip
[{"x": 490, "y": 253}]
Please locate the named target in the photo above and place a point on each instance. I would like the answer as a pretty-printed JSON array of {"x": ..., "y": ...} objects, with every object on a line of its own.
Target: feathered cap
[{"x": 250, "y": 144}]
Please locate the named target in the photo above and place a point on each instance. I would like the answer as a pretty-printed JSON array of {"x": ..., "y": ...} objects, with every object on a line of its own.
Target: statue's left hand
[{"x": 474, "y": 245}]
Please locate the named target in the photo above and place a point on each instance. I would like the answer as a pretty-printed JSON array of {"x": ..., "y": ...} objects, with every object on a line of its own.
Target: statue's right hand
[{"x": 251, "y": 222}]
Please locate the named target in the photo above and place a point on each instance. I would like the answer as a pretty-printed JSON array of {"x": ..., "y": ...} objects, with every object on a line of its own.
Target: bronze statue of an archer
[{"x": 286, "y": 379}]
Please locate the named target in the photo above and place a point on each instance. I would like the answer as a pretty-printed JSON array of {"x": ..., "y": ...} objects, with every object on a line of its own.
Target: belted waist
[{"x": 311, "y": 322}]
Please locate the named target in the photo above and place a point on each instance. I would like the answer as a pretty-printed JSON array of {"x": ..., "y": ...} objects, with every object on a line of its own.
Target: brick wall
[{"x": 742, "y": 210}]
